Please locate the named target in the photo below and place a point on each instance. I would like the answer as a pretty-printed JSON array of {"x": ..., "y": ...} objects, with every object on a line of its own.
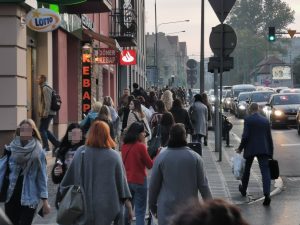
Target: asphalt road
[{"x": 285, "y": 207}]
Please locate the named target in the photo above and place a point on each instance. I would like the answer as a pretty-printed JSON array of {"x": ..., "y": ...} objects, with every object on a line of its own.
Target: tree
[
  {"x": 257, "y": 16},
  {"x": 296, "y": 70}
]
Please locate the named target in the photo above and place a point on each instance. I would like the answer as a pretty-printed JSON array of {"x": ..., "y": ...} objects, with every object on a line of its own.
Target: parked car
[
  {"x": 282, "y": 109},
  {"x": 259, "y": 97},
  {"x": 240, "y": 104}
]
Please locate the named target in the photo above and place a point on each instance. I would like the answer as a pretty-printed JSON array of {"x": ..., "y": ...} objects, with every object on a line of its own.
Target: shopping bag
[
  {"x": 274, "y": 169},
  {"x": 238, "y": 166}
]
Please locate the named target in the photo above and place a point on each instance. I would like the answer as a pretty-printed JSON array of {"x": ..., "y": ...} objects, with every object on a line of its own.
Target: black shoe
[
  {"x": 242, "y": 191},
  {"x": 267, "y": 200}
]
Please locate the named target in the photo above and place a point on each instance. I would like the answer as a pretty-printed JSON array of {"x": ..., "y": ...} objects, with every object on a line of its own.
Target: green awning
[{"x": 62, "y": 2}]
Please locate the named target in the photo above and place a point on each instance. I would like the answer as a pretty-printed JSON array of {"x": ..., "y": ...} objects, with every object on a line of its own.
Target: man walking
[
  {"x": 46, "y": 113},
  {"x": 257, "y": 142}
]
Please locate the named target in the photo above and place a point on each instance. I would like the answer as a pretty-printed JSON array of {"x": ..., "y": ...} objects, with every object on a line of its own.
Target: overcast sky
[{"x": 175, "y": 10}]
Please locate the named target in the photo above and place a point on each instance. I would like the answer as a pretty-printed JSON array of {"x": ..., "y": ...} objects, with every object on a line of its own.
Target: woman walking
[
  {"x": 103, "y": 178},
  {"x": 27, "y": 174},
  {"x": 136, "y": 160},
  {"x": 105, "y": 116},
  {"x": 71, "y": 141}
]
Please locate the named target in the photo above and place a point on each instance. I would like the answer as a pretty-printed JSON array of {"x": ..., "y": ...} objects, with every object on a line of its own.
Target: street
[{"x": 284, "y": 209}]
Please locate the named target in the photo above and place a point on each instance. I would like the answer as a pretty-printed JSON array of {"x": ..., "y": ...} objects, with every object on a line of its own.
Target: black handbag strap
[{"x": 127, "y": 153}]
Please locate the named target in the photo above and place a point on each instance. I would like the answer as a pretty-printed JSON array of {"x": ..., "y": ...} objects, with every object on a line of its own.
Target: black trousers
[{"x": 18, "y": 214}]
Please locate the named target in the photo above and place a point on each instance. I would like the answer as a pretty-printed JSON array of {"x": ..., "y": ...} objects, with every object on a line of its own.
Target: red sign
[
  {"x": 106, "y": 56},
  {"x": 86, "y": 83},
  {"x": 128, "y": 57}
]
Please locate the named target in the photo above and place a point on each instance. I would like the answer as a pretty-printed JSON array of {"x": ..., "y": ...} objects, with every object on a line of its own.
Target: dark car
[
  {"x": 237, "y": 89},
  {"x": 240, "y": 104},
  {"x": 282, "y": 109},
  {"x": 261, "y": 98}
]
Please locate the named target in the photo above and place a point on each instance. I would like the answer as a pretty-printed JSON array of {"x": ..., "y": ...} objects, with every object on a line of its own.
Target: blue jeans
[
  {"x": 139, "y": 202},
  {"x": 46, "y": 134},
  {"x": 263, "y": 161}
]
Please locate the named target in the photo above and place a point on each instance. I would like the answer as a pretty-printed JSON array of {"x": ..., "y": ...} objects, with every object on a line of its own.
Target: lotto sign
[
  {"x": 128, "y": 57},
  {"x": 43, "y": 20}
]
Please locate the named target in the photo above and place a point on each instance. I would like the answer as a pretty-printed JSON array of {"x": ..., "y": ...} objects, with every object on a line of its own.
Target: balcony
[
  {"x": 88, "y": 6},
  {"x": 123, "y": 27}
]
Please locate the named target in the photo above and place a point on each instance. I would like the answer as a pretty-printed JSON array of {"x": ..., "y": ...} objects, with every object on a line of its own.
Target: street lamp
[
  {"x": 156, "y": 39},
  {"x": 183, "y": 31}
]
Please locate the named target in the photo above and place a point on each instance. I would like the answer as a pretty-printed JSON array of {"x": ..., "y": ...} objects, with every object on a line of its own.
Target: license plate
[{"x": 291, "y": 117}]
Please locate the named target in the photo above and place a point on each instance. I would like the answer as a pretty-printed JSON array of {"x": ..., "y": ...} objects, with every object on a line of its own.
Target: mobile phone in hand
[{"x": 41, "y": 212}]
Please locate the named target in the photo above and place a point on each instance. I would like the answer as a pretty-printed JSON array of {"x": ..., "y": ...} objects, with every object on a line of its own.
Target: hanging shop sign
[
  {"x": 128, "y": 57},
  {"x": 86, "y": 81},
  {"x": 106, "y": 56},
  {"x": 43, "y": 20}
]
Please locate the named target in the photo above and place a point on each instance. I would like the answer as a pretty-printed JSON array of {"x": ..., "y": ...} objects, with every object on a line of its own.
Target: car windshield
[
  {"x": 261, "y": 97},
  {"x": 286, "y": 99},
  {"x": 243, "y": 97},
  {"x": 238, "y": 91}
]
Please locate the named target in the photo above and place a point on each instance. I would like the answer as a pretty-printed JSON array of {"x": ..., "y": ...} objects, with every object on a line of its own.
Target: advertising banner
[{"x": 281, "y": 73}]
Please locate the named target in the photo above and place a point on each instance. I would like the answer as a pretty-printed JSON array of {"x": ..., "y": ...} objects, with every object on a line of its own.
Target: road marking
[{"x": 289, "y": 145}]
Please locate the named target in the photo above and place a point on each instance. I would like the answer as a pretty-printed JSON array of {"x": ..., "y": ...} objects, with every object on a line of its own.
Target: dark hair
[
  {"x": 130, "y": 98},
  {"x": 138, "y": 107},
  {"x": 177, "y": 136},
  {"x": 141, "y": 99},
  {"x": 204, "y": 98},
  {"x": 177, "y": 104},
  {"x": 65, "y": 143},
  {"x": 198, "y": 98},
  {"x": 160, "y": 106},
  {"x": 212, "y": 212},
  {"x": 166, "y": 122},
  {"x": 133, "y": 132},
  {"x": 135, "y": 85}
]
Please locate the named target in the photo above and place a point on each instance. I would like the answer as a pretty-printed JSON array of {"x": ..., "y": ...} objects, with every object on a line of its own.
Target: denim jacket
[{"x": 34, "y": 182}]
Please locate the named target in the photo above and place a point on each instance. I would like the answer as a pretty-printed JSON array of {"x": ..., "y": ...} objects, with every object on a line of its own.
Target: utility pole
[
  {"x": 156, "y": 48},
  {"x": 202, "y": 49}
]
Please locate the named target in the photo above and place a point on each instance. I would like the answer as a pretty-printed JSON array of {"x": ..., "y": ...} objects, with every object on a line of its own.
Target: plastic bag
[{"x": 238, "y": 166}]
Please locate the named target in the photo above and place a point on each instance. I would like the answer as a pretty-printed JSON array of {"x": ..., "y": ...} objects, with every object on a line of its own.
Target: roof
[{"x": 269, "y": 61}]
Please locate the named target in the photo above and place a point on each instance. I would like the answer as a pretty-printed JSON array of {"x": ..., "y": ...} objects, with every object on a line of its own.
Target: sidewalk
[{"x": 220, "y": 177}]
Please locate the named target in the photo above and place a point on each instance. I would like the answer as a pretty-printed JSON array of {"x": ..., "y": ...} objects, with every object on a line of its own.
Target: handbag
[
  {"x": 5, "y": 181},
  {"x": 154, "y": 143},
  {"x": 274, "y": 169},
  {"x": 238, "y": 166},
  {"x": 145, "y": 126},
  {"x": 72, "y": 205}
]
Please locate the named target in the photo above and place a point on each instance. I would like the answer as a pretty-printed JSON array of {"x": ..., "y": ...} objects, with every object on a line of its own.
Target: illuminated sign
[
  {"x": 86, "y": 82},
  {"x": 281, "y": 73},
  {"x": 43, "y": 20},
  {"x": 128, "y": 57},
  {"x": 106, "y": 56}
]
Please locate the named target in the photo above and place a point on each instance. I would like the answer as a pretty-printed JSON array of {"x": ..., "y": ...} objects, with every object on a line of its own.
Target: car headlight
[
  {"x": 242, "y": 107},
  {"x": 278, "y": 113},
  {"x": 265, "y": 110},
  {"x": 212, "y": 98},
  {"x": 228, "y": 101}
]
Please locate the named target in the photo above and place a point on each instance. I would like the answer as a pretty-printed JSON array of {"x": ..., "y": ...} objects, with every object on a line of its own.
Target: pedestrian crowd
[{"x": 107, "y": 153}]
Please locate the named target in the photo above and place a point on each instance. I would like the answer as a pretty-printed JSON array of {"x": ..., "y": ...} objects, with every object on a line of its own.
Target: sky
[{"x": 177, "y": 10}]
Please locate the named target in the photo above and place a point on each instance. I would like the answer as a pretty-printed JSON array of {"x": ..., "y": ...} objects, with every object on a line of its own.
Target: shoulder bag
[
  {"x": 143, "y": 122},
  {"x": 72, "y": 206},
  {"x": 154, "y": 143}
]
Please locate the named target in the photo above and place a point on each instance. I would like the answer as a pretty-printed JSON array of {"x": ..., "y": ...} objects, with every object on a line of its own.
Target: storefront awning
[{"x": 100, "y": 37}]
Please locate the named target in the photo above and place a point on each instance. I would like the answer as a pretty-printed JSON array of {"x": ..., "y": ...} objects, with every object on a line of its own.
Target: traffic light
[{"x": 271, "y": 36}]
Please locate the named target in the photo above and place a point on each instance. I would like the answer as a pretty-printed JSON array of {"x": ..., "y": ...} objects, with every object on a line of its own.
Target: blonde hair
[
  {"x": 167, "y": 98},
  {"x": 105, "y": 113},
  {"x": 96, "y": 107},
  {"x": 36, "y": 134},
  {"x": 107, "y": 100}
]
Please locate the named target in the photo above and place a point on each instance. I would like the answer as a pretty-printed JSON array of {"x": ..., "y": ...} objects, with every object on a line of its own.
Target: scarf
[{"x": 24, "y": 156}]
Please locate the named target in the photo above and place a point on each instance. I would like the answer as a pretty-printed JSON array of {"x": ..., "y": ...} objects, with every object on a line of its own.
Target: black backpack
[{"x": 55, "y": 100}]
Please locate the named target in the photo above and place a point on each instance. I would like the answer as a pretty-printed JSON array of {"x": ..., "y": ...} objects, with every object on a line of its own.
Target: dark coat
[
  {"x": 182, "y": 116},
  {"x": 256, "y": 138}
]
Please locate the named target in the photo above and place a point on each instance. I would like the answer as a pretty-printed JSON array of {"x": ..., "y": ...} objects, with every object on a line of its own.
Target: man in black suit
[{"x": 257, "y": 142}]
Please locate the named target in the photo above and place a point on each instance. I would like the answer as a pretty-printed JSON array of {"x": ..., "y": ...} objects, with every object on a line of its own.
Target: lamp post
[
  {"x": 202, "y": 49},
  {"x": 156, "y": 39},
  {"x": 183, "y": 31}
]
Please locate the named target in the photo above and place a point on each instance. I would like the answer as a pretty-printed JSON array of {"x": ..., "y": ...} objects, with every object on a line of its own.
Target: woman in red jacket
[{"x": 136, "y": 160}]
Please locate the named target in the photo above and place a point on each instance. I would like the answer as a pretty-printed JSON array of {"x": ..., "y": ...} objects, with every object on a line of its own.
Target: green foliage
[
  {"x": 251, "y": 19},
  {"x": 296, "y": 70}
]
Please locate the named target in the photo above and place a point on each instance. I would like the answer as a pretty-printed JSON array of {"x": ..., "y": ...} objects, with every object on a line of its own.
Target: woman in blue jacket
[{"x": 27, "y": 174}]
